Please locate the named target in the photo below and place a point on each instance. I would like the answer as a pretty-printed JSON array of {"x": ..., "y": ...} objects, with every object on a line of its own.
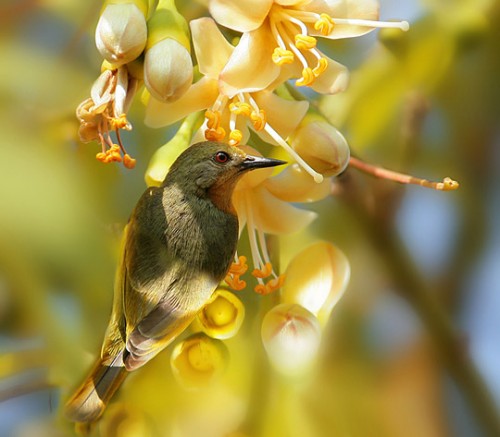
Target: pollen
[
  {"x": 321, "y": 67},
  {"x": 324, "y": 25},
  {"x": 240, "y": 108},
  {"x": 258, "y": 119},
  {"x": 271, "y": 286},
  {"x": 215, "y": 134},
  {"x": 305, "y": 42},
  {"x": 264, "y": 272},
  {"x": 235, "y": 137},
  {"x": 282, "y": 56},
  {"x": 118, "y": 122},
  {"x": 235, "y": 282},
  {"x": 240, "y": 267},
  {"x": 307, "y": 77},
  {"x": 128, "y": 161},
  {"x": 213, "y": 119}
]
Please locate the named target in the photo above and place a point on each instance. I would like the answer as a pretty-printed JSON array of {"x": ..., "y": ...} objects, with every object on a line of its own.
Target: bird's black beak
[{"x": 253, "y": 162}]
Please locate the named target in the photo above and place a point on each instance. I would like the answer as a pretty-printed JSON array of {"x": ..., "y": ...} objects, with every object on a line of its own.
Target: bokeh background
[{"x": 413, "y": 347}]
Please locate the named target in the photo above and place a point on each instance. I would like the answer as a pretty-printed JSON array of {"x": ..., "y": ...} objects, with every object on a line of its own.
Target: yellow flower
[
  {"x": 288, "y": 29},
  {"x": 198, "y": 360},
  {"x": 232, "y": 111},
  {"x": 262, "y": 204},
  {"x": 105, "y": 111},
  {"x": 222, "y": 316}
]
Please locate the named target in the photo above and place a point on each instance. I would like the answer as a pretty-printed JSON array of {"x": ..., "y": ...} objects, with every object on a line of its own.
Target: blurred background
[{"x": 413, "y": 347}]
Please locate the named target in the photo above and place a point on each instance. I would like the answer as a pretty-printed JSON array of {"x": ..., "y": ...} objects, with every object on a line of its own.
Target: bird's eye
[{"x": 221, "y": 157}]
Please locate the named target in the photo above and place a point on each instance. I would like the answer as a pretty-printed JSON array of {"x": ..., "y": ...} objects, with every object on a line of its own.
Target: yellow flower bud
[
  {"x": 121, "y": 33},
  {"x": 291, "y": 336},
  {"x": 316, "y": 279},
  {"x": 322, "y": 146},
  {"x": 222, "y": 316},
  {"x": 168, "y": 70},
  {"x": 198, "y": 360}
]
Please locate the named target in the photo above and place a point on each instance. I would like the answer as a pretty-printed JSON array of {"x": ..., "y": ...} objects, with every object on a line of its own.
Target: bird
[{"x": 178, "y": 245}]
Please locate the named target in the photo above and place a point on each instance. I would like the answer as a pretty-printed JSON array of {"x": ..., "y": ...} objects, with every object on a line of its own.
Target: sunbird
[{"x": 178, "y": 246}]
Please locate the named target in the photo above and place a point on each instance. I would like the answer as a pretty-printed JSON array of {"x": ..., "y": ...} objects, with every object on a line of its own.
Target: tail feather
[{"x": 90, "y": 400}]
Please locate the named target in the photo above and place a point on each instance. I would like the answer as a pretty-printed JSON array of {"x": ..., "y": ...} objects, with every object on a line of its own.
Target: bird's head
[{"x": 209, "y": 166}]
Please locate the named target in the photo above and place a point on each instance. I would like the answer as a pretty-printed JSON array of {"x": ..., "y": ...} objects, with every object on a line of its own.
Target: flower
[
  {"x": 262, "y": 204},
  {"x": 198, "y": 360},
  {"x": 291, "y": 336},
  {"x": 230, "y": 110},
  {"x": 222, "y": 316},
  {"x": 292, "y": 27},
  {"x": 105, "y": 111}
]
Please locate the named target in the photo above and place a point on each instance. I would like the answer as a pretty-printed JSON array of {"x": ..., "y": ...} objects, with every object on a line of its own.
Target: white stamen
[
  {"x": 318, "y": 178},
  {"x": 403, "y": 25}
]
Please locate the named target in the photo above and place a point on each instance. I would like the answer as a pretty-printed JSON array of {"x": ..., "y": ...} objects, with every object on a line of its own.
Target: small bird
[{"x": 178, "y": 246}]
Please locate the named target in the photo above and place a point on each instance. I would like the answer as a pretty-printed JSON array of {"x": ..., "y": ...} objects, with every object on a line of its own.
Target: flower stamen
[
  {"x": 324, "y": 25},
  {"x": 305, "y": 42},
  {"x": 282, "y": 56},
  {"x": 235, "y": 137}
]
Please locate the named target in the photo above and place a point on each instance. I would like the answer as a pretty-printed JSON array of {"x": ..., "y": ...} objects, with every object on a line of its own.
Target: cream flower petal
[
  {"x": 199, "y": 96},
  {"x": 282, "y": 114},
  {"x": 240, "y": 15},
  {"x": 354, "y": 9},
  {"x": 250, "y": 67},
  {"x": 333, "y": 80},
  {"x": 289, "y": 2},
  {"x": 211, "y": 48},
  {"x": 273, "y": 216},
  {"x": 294, "y": 184}
]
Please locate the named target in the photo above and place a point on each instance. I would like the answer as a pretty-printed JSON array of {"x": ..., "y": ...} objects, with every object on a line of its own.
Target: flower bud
[
  {"x": 198, "y": 360},
  {"x": 316, "y": 279},
  {"x": 322, "y": 146},
  {"x": 121, "y": 32},
  {"x": 168, "y": 69},
  {"x": 291, "y": 336}
]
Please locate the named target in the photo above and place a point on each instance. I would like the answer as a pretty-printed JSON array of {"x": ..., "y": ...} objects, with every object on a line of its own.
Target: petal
[
  {"x": 273, "y": 216},
  {"x": 294, "y": 184},
  {"x": 240, "y": 15},
  {"x": 250, "y": 68},
  {"x": 211, "y": 48},
  {"x": 200, "y": 95},
  {"x": 316, "y": 279},
  {"x": 333, "y": 80},
  {"x": 282, "y": 114},
  {"x": 355, "y": 9}
]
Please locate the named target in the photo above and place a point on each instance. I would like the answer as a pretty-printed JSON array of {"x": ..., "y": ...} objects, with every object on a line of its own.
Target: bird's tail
[{"x": 90, "y": 400}]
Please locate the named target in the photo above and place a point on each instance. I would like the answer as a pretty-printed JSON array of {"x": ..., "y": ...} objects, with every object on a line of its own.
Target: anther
[
  {"x": 305, "y": 42},
  {"x": 215, "y": 134},
  {"x": 281, "y": 56},
  {"x": 213, "y": 119},
  {"x": 321, "y": 67},
  {"x": 325, "y": 24},
  {"x": 128, "y": 161},
  {"x": 235, "y": 282},
  {"x": 235, "y": 137},
  {"x": 258, "y": 119},
  {"x": 240, "y": 108},
  {"x": 264, "y": 272},
  {"x": 307, "y": 77}
]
